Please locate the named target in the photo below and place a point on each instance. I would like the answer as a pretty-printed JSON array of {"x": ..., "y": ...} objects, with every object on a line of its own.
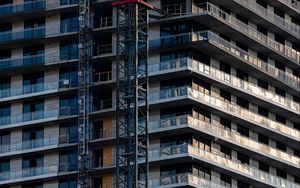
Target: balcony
[
  {"x": 225, "y": 107},
  {"x": 37, "y": 33},
  {"x": 103, "y": 22},
  {"x": 215, "y": 158},
  {"x": 39, "y": 88},
  {"x": 236, "y": 52},
  {"x": 224, "y": 78},
  {"x": 103, "y": 49},
  {"x": 183, "y": 180},
  {"x": 267, "y": 16},
  {"x": 248, "y": 31},
  {"x": 101, "y": 77},
  {"x": 219, "y": 132},
  {"x": 104, "y": 104},
  {"x": 27, "y": 7},
  {"x": 36, "y": 117},
  {"x": 31, "y": 174},
  {"x": 31, "y": 145}
]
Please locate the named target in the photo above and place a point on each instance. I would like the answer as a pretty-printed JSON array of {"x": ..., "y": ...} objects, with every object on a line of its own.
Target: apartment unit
[{"x": 224, "y": 94}]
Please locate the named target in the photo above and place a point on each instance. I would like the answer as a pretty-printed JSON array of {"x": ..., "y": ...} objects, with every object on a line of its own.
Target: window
[
  {"x": 68, "y": 132},
  {"x": 243, "y": 158},
  {"x": 33, "y": 5},
  {"x": 68, "y": 161},
  {"x": 68, "y": 77},
  {"x": 32, "y": 162},
  {"x": 33, "y": 55},
  {"x": 226, "y": 151},
  {"x": 242, "y": 103},
  {"x": 33, "y": 82},
  {"x": 68, "y": 2},
  {"x": 263, "y": 166},
  {"x": 241, "y": 184},
  {"x": 225, "y": 67},
  {"x": 5, "y": 112},
  {"x": 225, "y": 180},
  {"x": 4, "y": 140},
  {"x": 98, "y": 182},
  {"x": 98, "y": 130},
  {"x": 98, "y": 158},
  {"x": 68, "y": 50},
  {"x": 281, "y": 173},
  {"x": 280, "y": 119},
  {"x": 263, "y": 139},
  {"x": 280, "y": 92},
  {"x": 4, "y": 87},
  {"x": 243, "y": 130},
  {"x": 262, "y": 84},
  {"x": 225, "y": 122},
  {"x": 33, "y": 138},
  {"x": 33, "y": 185},
  {"x": 29, "y": 107},
  {"x": 4, "y": 168},
  {"x": 241, "y": 75},
  {"x": 225, "y": 95},
  {"x": 280, "y": 66},
  {"x": 280, "y": 146},
  {"x": 68, "y": 183},
  {"x": 202, "y": 172},
  {"x": 174, "y": 29},
  {"x": 34, "y": 28},
  {"x": 263, "y": 111},
  {"x": 69, "y": 22},
  {"x": 68, "y": 105}
]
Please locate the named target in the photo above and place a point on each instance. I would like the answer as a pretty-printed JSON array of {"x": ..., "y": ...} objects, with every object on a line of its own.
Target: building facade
[{"x": 224, "y": 94}]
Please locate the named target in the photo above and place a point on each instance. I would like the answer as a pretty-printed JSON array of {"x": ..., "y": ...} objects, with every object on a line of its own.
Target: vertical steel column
[
  {"x": 84, "y": 72},
  {"x": 132, "y": 96}
]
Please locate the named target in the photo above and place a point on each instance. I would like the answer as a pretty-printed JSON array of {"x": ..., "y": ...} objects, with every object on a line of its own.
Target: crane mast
[
  {"x": 84, "y": 78},
  {"x": 132, "y": 94}
]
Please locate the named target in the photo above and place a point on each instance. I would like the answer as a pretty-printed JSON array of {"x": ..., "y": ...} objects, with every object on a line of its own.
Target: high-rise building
[{"x": 224, "y": 84}]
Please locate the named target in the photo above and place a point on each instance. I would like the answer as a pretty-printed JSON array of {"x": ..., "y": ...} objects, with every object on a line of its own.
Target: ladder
[{"x": 84, "y": 71}]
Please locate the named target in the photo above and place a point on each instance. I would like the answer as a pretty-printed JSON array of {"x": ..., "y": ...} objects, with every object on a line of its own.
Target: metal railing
[
  {"x": 225, "y": 78},
  {"x": 219, "y": 131},
  {"x": 217, "y": 158},
  {"x": 102, "y": 105},
  {"x": 288, "y": 26},
  {"x": 25, "y": 7},
  {"x": 102, "y": 76},
  {"x": 51, "y": 170},
  {"x": 37, "y": 115},
  {"x": 35, "y": 88},
  {"x": 249, "y": 31},
  {"x": 233, "y": 109},
  {"x": 292, "y": 3},
  {"x": 230, "y": 48},
  {"x": 32, "y": 144},
  {"x": 103, "y": 49},
  {"x": 103, "y": 22}
]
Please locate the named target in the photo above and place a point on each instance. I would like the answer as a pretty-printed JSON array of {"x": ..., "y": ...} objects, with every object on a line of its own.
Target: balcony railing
[
  {"x": 33, "y": 6},
  {"x": 271, "y": 17},
  {"x": 217, "y": 158},
  {"x": 42, "y": 171},
  {"x": 225, "y": 78},
  {"x": 103, "y": 22},
  {"x": 103, "y": 49},
  {"x": 187, "y": 92},
  {"x": 230, "y": 48},
  {"x": 219, "y": 132},
  {"x": 281, "y": 49},
  {"x": 102, "y": 105},
  {"x": 37, "y": 115},
  {"x": 293, "y": 3},
  {"x": 102, "y": 76},
  {"x": 32, "y": 144},
  {"x": 35, "y": 88}
]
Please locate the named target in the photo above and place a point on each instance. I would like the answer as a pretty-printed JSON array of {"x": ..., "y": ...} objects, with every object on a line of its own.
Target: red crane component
[{"x": 118, "y": 3}]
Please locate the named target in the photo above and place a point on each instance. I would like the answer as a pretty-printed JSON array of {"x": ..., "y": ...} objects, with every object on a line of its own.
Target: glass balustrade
[
  {"x": 32, "y": 144},
  {"x": 37, "y": 115},
  {"x": 249, "y": 31},
  {"x": 271, "y": 17},
  {"x": 157, "y": 97},
  {"x": 204, "y": 69},
  {"x": 220, "y": 132},
  {"x": 34, "y": 88},
  {"x": 230, "y": 48},
  {"x": 8, "y": 9},
  {"x": 217, "y": 158}
]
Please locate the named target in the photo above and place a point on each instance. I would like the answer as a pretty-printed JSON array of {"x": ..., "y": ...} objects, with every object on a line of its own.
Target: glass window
[
  {"x": 33, "y": 110},
  {"x": 68, "y": 50},
  {"x": 68, "y": 132},
  {"x": 33, "y": 185},
  {"x": 68, "y": 77},
  {"x": 68, "y": 105},
  {"x": 33, "y": 138},
  {"x": 68, "y": 161},
  {"x": 69, "y": 22},
  {"x": 68, "y": 183},
  {"x": 4, "y": 169},
  {"x": 5, "y": 112},
  {"x": 4, "y": 87},
  {"x": 33, "y": 82}
]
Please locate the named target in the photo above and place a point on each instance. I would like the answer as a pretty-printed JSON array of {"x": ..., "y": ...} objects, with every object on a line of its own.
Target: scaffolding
[
  {"x": 132, "y": 94},
  {"x": 84, "y": 71}
]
